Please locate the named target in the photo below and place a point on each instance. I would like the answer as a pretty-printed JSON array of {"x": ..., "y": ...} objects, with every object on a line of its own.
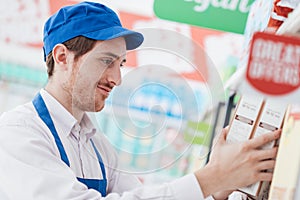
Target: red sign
[{"x": 274, "y": 63}]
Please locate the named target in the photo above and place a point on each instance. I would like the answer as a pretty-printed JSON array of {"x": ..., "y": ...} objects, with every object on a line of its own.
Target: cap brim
[{"x": 133, "y": 39}]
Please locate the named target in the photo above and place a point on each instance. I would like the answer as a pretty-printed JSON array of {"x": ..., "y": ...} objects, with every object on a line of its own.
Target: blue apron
[{"x": 99, "y": 185}]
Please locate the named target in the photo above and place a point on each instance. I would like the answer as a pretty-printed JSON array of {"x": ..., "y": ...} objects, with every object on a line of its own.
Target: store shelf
[{"x": 147, "y": 117}]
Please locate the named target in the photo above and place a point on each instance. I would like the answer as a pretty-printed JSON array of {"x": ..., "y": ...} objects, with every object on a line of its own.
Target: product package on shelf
[
  {"x": 244, "y": 119},
  {"x": 280, "y": 12},
  {"x": 287, "y": 166},
  {"x": 253, "y": 117},
  {"x": 292, "y": 24},
  {"x": 297, "y": 189}
]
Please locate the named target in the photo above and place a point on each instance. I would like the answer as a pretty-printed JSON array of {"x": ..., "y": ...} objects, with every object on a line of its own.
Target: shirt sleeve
[
  {"x": 183, "y": 188},
  {"x": 126, "y": 186},
  {"x": 237, "y": 196},
  {"x": 33, "y": 170}
]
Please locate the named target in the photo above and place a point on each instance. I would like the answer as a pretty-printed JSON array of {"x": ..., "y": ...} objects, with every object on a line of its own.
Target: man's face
[{"x": 95, "y": 74}]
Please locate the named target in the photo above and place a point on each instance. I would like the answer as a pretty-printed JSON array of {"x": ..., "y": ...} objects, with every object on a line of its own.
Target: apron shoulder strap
[
  {"x": 99, "y": 160},
  {"x": 44, "y": 114}
]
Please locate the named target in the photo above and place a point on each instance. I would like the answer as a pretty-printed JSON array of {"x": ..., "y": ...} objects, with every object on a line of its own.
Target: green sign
[
  {"x": 225, "y": 15},
  {"x": 22, "y": 74},
  {"x": 197, "y": 133}
]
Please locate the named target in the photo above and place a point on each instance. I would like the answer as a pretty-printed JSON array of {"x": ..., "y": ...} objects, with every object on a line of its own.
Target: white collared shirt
[{"x": 31, "y": 167}]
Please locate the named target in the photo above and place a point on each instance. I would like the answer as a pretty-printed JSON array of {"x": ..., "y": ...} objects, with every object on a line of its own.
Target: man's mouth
[{"x": 104, "y": 90}]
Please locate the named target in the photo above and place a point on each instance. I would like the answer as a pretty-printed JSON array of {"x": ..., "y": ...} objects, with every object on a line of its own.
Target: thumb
[
  {"x": 223, "y": 135},
  {"x": 221, "y": 138},
  {"x": 226, "y": 130}
]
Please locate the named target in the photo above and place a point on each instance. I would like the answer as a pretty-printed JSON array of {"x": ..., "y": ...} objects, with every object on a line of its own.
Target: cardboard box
[
  {"x": 297, "y": 190},
  {"x": 245, "y": 118},
  {"x": 254, "y": 117},
  {"x": 270, "y": 119},
  {"x": 286, "y": 171}
]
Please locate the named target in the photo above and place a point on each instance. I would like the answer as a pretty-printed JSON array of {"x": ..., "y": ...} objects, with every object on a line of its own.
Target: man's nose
[{"x": 115, "y": 75}]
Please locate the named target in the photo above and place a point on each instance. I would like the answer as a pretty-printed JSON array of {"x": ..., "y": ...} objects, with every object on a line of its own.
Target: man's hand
[{"x": 232, "y": 166}]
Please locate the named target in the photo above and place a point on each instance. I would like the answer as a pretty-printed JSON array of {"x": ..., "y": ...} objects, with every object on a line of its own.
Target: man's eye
[{"x": 107, "y": 61}]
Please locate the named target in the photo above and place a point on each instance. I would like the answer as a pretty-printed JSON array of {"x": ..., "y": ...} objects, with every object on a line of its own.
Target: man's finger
[
  {"x": 266, "y": 165},
  {"x": 221, "y": 137},
  {"x": 264, "y": 154},
  {"x": 264, "y": 139},
  {"x": 226, "y": 130},
  {"x": 265, "y": 176}
]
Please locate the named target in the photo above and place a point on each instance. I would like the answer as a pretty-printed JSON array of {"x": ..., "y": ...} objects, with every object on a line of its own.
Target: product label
[{"x": 244, "y": 120}]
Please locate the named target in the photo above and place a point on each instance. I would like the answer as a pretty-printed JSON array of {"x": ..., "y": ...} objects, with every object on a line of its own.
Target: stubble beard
[{"x": 78, "y": 97}]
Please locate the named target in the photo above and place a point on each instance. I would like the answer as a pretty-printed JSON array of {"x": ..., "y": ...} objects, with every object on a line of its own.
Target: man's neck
[{"x": 65, "y": 100}]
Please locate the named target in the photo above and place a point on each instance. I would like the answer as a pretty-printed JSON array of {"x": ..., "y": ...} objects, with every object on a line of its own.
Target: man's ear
[{"x": 60, "y": 55}]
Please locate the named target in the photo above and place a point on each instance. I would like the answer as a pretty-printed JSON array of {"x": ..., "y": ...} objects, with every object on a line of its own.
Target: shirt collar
[
  {"x": 65, "y": 121},
  {"x": 62, "y": 119},
  {"x": 87, "y": 127},
  {"x": 83, "y": 130}
]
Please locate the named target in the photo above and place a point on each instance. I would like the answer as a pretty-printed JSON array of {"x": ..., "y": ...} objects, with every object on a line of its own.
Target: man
[{"x": 50, "y": 149}]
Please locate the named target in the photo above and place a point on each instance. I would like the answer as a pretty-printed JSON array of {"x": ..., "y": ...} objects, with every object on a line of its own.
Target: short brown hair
[{"x": 79, "y": 45}]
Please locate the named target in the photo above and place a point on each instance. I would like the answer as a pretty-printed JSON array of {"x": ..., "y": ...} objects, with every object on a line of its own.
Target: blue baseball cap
[{"x": 88, "y": 19}]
